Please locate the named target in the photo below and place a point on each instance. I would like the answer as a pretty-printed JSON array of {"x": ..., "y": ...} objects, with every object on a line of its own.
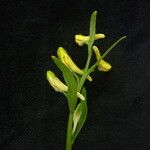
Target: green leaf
[
  {"x": 71, "y": 83},
  {"x": 76, "y": 77},
  {"x": 92, "y": 31},
  {"x": 112, "y": 46},
  {"x": 83, "y": 115}
]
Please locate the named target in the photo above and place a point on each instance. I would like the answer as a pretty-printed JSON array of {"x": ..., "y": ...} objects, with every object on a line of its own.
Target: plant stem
[
  {"x": 70, "y": 120},
  {"x": 69, "y": 133},
  {"x": 84, "y": 76}
]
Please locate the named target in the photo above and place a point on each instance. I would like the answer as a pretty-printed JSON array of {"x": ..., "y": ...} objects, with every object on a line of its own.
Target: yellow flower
[
  {"x": 58, "y": 85},
  {"x": 81, "y": 39},
  {"x": 66, "y": 59},
  {"x": 103, "y": 65}
]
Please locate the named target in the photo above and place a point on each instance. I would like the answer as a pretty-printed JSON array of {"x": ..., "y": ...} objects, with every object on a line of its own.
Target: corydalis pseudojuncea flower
[
  {"x": 58, "y": 85},
  {"x": 102, "y": 65},
  {"x": 66, "y": 59},
  {"x": 82, "y": 39}
]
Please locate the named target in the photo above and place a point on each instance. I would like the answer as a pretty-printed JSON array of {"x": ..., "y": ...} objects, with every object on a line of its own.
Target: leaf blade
[
  {"x": 92, "y": 31},
  {"x": 112, "y": 46},
  {"x": 82, "y": 117},
  {"x": 70, "y": 81}
]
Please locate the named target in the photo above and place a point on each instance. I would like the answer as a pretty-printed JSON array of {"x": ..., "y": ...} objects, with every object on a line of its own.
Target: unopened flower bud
[{"x": 76, "y": 117}]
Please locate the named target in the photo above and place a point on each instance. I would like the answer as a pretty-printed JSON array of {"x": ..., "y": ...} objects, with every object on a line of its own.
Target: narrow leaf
[
  {"x": 83, "y": 115},
  {"x": 92, "y": 31},
  {"x": 112, "y": 46},
  {"x": 71, "y": 83}
]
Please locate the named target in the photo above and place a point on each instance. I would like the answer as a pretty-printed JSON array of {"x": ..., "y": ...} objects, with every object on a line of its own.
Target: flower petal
[
  {"x": 58, "y": 85},
  {"x": 81, "y": 39},
  {"x": 104, "y": 66},
  {"x": 66, "y": 59}
]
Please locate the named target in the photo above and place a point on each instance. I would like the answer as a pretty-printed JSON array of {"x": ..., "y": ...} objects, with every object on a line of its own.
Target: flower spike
[
  {"x": 66, "y": 59},
  {"x": 103, "y": 65},
  {"x": 81, "y": 39},
  {"x": 58, "y": 85}
]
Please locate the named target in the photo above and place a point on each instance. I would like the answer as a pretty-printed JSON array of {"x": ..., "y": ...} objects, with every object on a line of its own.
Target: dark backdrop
[{"x": 33, "y": 116}]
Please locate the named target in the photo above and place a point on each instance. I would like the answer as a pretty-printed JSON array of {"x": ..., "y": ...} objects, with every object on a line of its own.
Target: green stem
[
  {"x": 90, "y": 44},
  {"x": 84, "y": 76},
  {"x": 69, "y": 133}
]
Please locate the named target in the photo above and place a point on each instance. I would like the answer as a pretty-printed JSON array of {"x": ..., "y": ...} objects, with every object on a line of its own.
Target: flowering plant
[{"x": 74, "y": 78}]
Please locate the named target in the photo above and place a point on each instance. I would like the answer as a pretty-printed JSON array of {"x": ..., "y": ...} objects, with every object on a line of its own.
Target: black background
[{"x": 33, "y": 116}]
